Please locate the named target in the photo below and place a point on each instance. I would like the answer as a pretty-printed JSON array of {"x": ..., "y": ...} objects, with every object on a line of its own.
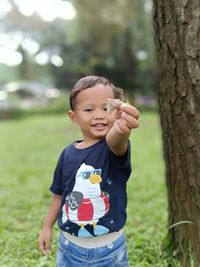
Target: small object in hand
[{"x": 112, "y": 104}]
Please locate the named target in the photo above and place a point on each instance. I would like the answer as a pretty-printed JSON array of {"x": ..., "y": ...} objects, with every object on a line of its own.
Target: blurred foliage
[
  {"x": 11, "y": 113},
  {"x": 57, "y": 105},
  {"x": 104, "y": 39}
]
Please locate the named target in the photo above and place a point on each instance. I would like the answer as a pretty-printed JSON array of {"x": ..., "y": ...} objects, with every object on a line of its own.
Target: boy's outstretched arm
[
  {"x": 126, "y": 120},
  {"x": 44, "y": 239}
]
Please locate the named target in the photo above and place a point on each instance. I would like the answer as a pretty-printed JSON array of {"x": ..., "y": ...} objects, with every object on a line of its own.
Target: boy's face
[{"x": 91, "y": 112}]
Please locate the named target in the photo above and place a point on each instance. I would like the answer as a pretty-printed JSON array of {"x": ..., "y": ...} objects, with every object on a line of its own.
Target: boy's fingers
[
  {"x": 45, "y": 247},
  {"x": 133, "y": 124},
  {"x": 130, "y": 110},
  {"x": 118, "y": 114},
  {"x": 45, "y": 251},
  {"x": 130, "y": 121}
]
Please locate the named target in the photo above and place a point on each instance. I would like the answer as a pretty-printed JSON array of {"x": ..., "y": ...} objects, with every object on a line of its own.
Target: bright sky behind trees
[{"x": 47, "y": 10}]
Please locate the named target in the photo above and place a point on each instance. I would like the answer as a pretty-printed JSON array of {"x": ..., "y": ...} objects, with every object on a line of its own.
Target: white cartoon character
[{"x": 86, "y": 204}]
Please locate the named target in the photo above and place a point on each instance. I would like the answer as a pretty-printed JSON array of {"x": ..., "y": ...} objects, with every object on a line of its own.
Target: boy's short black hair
[{"x": 88, "y": 82}]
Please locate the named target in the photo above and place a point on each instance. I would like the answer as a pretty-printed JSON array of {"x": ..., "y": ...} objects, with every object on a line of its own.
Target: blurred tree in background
[{"x": 109, "y": 38}]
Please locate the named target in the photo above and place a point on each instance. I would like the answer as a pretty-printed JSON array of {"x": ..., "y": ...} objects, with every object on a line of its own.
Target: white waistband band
[{"x": 93, "y": 242}]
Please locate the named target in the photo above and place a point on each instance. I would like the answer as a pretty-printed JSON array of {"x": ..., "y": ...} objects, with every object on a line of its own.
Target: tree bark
[{"x": 177, "y": 36}]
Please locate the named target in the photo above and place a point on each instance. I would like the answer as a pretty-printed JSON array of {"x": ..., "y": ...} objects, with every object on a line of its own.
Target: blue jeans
[{"x": 112, "y": 255}]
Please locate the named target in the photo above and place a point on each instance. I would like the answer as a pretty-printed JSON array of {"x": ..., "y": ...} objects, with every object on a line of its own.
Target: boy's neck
[{"x": 85, "y": 144}]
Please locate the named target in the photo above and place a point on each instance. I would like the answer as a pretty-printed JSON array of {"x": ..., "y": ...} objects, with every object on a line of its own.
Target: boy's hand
[
  {"x": 126, "y": 118},
  {"x": 44, "y": 240}
]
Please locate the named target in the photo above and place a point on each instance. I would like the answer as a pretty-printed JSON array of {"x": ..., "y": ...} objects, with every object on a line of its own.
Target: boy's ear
[{"x": 72, "y": 116}]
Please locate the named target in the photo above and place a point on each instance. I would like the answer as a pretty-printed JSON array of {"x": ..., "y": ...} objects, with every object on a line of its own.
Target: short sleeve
[
  {"x": 56, "y": 186},
  {"x": 123, "y": 162}
]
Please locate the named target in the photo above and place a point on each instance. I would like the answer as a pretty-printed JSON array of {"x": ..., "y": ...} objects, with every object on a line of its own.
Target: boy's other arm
[
  {"x": 126, "y": 120},
  {"x": 44, "y": 239}
]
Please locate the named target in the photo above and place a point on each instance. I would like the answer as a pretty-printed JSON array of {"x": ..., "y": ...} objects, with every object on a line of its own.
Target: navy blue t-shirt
[{"x": 92, "y": 182}]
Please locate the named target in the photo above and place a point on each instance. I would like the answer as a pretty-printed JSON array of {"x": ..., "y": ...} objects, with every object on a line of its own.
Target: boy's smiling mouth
[{"x": 100, "y": 126}]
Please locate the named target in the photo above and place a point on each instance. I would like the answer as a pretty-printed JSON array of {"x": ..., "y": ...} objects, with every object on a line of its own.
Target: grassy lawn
[{"x": 29, "y": 151}]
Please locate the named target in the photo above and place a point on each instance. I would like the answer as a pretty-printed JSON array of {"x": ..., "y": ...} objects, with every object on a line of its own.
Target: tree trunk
[{"x": 177, "y": 35}]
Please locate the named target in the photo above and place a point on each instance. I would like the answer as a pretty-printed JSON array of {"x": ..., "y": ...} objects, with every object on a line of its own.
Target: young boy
[{"x": 89, "y": 186}]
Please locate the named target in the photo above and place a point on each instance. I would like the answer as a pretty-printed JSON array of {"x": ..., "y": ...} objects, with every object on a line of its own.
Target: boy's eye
[{"x": 88, "y": 110}]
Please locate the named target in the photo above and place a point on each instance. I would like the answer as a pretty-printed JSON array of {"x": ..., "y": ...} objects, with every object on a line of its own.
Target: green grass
[{"x": 29, "y": 152}]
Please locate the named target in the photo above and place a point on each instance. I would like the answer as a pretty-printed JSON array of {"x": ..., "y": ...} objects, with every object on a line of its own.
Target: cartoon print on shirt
[{"x": 86, "y": 204}]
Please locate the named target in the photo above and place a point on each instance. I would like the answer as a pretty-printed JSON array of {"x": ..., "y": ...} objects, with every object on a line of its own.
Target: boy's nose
[{"x": 99, "y": 114}]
